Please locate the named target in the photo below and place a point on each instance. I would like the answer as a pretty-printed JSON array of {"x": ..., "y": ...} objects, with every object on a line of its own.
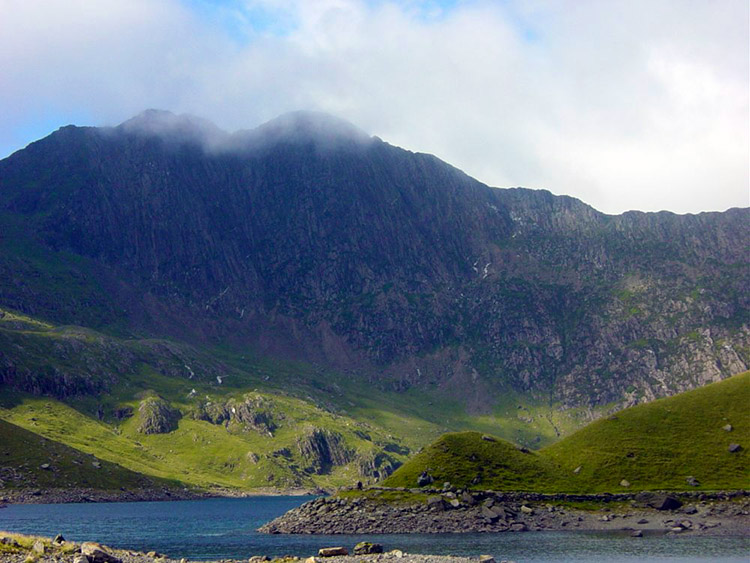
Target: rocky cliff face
[{"x": 307, "y": 238}]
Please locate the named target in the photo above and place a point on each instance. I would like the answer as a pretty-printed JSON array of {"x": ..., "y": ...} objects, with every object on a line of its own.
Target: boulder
[
  {"x": 38, "y": 547},
  {"x": 488, "y": 438},
  {"x": 468, "y": 499},
  {"x": 489, "y": 514},
  {"x": 424, "y": 479},
  {"x": 728, "y": 427},
  {"x": 577, "y": 470},
  {"x": 526, "y": 510},
  {"x": 332, "y": 551},
  {"x": 637, "y": 534},
  {"x": 97, "y": 553},
  {"x": 658, "y": 501},
  {"x": 486, "y": 559},
  {"x": 624, "y": 483},
  {"x": 435, "y": 503},
  {"x": 367, "y": 548},
  {"x": 734, "y": 448},
  {"x": 59, "y": 540},
  {"x": 692, "y": 481}
]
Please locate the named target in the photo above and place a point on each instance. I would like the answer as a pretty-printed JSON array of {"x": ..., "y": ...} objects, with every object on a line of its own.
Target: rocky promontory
[{"x": 454, "y": 511}]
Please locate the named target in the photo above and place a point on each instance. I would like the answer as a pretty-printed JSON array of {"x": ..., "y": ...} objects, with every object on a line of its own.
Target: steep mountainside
[{"x": 306, "y": 239}]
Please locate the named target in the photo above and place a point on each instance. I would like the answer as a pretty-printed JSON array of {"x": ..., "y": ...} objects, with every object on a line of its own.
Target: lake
[{"x": 225, "y": 528}]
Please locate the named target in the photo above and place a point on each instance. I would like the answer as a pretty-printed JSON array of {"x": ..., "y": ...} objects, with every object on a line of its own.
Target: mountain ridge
[{"x": 383, "y": 263}]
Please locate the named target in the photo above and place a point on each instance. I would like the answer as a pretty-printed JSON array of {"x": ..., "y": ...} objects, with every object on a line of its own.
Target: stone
[
  {"x": 643, "y": 521},
  {"x": 308, "y": 560},
  {"x": 397, "y": 553},
  {"x": 577, "y": 470},
  {"x": 262, "y": 558},
  {"x": 690, "y": 510},
  {"x": 658, "y": 501},
  {"x": 80, "y": 559},
  {"x": 488, "y": 438},
  {"x": 624, "y": 483},
  {"x": 728, "y": 427},
  {"x": 489, "y": 514},
  {"x": 446, "y": 486},
  {"x": 435, "y": 503},
  {"x": 424, "y": 479},
  {"x": 97, "y": 553},
  {"x": 58, "y": 540},
  {"x": 692, "y": 481},
  {"x": 637, "y": 534},
  {"x": 518, "y": 527},
  {"x": 526, "y": 510},
  {"x": 734, "y": 448},
  {"x": 38, "y": 547},
  {"x": 332, "y": 551},
  {"x": 367, "y": 548},
  {"x": 455, "y": 503},
  {"x": 45, "y": 466},
  {"x": 486, "y": 559}
]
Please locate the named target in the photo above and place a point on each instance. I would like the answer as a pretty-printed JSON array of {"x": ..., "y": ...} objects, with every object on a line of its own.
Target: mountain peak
[
  {"x": 170, "y": 126},
  {"x": 303, "y": 127}
]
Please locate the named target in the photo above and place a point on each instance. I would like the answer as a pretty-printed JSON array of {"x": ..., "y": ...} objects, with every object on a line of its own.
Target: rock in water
[
  {"x": 332, "y": 551},
  {"x": 367, "y": 548},
  {"x": 97, "y": 553}
]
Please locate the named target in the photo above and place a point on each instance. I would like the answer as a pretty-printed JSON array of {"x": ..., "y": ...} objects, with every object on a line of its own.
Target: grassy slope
[
  {"x": 660, "y": 444},
  {"x": 23, "y": 453},
  {"x": 204, "y": 454},
  {"x": 653, "y": 446}
]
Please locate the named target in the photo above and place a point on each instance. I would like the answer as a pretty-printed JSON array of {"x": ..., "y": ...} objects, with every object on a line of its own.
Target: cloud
[{"x": 624, "y": 104}]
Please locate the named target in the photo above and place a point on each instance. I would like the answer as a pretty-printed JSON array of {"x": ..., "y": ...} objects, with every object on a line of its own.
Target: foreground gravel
[{"x": 18, "y": 548}]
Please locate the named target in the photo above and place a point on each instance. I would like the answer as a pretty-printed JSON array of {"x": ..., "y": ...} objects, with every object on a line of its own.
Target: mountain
[{"x": 306, "y": 240}]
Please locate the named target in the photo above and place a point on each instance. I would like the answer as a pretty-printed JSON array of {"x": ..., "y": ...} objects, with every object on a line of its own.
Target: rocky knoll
[
  {"x": 458, "y": 511},
  {"x": 307, "y": 239}
]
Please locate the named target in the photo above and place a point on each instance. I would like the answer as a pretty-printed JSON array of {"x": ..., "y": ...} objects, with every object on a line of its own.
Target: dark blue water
[{"x": 225, "y": 528}]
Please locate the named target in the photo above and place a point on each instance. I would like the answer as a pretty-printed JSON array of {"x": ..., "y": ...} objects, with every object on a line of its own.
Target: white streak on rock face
[
  {"x": 218, "y": 378},
  {"x": 192, "y": 373},
  {"x": 486, "y": 270}
]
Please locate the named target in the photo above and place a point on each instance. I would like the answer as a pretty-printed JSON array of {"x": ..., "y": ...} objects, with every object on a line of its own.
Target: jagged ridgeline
[
  {"x": 697, "y": 440},
  {"x": 305, "y": 304}
]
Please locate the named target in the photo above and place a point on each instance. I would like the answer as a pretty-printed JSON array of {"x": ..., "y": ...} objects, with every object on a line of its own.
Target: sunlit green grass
[{"x": 653, "y": 446}]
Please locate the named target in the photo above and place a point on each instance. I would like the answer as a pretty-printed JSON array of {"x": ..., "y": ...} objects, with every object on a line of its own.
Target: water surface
[{"x": 225, "y": 528}]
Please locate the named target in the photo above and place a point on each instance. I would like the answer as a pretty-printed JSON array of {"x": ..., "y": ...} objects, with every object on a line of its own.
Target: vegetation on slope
[
  {"x": 678, "y": 443},
  {"x": 29, "y": 460},
  {"x": 100, "y": 394}
]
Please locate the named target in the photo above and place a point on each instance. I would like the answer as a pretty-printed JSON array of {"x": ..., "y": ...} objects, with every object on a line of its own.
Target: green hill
[
  {"x": 659, "y": 445},
  {"x": 28, "y": 460}
]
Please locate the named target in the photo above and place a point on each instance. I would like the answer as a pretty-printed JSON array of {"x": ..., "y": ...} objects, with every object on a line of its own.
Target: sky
[{"x": 624, "y": 104}]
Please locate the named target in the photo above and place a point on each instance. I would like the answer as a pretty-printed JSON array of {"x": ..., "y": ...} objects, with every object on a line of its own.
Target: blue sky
[{"x": 624, "y": 104}]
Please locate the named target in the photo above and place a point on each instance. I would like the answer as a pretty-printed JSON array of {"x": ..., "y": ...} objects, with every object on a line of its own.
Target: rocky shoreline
[
  {"x": 456, "y": 511},
  {"x": 19, "y": 548},
  {"x": 85, "y": 495}
]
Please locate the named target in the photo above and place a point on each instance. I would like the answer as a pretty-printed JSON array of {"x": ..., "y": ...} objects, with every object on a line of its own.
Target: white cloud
[{"x": 624, "y": 104}]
